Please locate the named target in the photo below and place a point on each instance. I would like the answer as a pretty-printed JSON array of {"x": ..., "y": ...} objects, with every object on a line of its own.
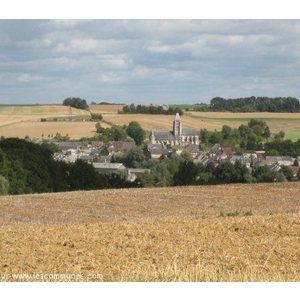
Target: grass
[{"x": 154, "y": 234}]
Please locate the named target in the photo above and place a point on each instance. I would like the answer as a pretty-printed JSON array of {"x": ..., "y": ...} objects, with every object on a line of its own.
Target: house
[
  {"x": 244, "y": 160},
  {"x": 105, "y": 159},
  {"x": 281, "y": 160},
  {"x": 202, "y": 159},
  {"x": 119, "y": 146},
  {"x": 215, "y": 151},
  {"x": 295, "y": 171},
  {"x": 65, "y": 146},
  {"x": 193, "y": 149},
  {"x": 108, "y": 168},
  {"x": 133, "y": 174},
  {"x": 157, "y": 150},
  {"x": 226, "y": 152},
  {"x": 178, "y": 136}
]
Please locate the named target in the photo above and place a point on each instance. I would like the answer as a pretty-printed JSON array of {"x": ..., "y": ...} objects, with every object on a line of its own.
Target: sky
[{"x": 147, "y": 61}]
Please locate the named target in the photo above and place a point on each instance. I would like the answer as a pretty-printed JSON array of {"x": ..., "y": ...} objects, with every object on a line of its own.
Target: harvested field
[
  {"x": 259, "y": 248},
  {"x": 162, "y": 234},
  {"x": 21, "y": 121},
  {"x": 76, "y": 130},
  {"x": 56, "y": 110},
  {"x": 255, "y": 115},
  {"x": 160, "y": 122},
  {"x": 105, "y": 109},
  {"x": 149, "y": 204},
  {"x": 288, "y": 122}
]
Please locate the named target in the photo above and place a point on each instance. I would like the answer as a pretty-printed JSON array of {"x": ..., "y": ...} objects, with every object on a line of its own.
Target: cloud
[{"x": 147, "y": 60}]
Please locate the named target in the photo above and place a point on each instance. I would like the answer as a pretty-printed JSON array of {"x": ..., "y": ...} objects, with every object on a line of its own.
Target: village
[{"x": 163, "y": 143}]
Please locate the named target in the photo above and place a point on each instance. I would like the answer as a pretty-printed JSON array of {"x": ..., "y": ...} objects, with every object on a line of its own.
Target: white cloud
[
  {"x": 28, "y": 78},
  {"x": 148, "y": 60}
]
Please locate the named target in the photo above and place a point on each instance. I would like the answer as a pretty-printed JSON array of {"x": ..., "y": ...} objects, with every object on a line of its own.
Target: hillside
[
  {"x": 288, "y": 122},
  {"x": 149, "y": 204},
  {"x": 21, "y": 121},
  {"x": 162, "y": 234}
]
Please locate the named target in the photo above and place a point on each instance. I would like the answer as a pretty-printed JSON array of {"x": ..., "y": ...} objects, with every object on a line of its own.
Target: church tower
[{"x": 177, "y": 128}]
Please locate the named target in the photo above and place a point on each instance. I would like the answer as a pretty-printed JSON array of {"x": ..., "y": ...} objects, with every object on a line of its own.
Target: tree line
[
  {"x": 256, "y": 104},
  {"x": 150, "y": 109}
]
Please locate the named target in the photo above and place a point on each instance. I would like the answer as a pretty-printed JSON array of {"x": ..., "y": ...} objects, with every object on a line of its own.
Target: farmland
[
  {"x": 34, "y": 129},
  {"x": 105, "y": 109},
  {"x": 211, "y": 233},
  {"x": 287, "y": 122},
  {"x": 20, "y": 121}
]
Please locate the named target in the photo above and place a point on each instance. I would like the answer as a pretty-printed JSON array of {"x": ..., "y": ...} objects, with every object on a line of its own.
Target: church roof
[
  {"x": 163, "y": 135},
  {"x": 189, "y": 131}
]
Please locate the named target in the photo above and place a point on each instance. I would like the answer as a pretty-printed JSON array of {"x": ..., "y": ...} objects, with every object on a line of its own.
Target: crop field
[
  {"x": 34, "y": 129},
  {"x": 105, "y": 109},
  {"x": 57, "y": 110},
  {"x": 288, "y": 122},
  {"x": 15, "y": 120},
  {"x": 211, "y": 233},
  {"x": 21, "y": 121}
]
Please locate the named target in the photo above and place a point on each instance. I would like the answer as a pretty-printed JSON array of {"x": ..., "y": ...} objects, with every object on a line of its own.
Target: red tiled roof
[
  {"x": 295, "y": 169},
  {"x": 122, "y": 145},
  {"x": 227, "y": 151}
]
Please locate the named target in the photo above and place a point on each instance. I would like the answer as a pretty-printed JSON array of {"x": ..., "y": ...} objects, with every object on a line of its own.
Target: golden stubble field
[
  {"x": 22, "y": 121},
  {"x": 15, "y": 121},
  {"x": 35, "y": 129},
  {"x": 106, "y": 109},
  {"x": 288, "y": 122},
  {"x": 163, "y": 234}
]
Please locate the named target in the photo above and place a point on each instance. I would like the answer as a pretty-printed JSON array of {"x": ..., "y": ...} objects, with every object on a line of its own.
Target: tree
[
  {"x": 132, "y": 158},
  {"x": 187, "y": 174},
  {"x": 135, "y": 131},
  {"x": 83, "y": 176},
  {"x": 96, "y": 117},
  {"x": 264, "y": 174},
  {"x": 287, "y": 172},
  {"x": 226, "y": 132},
  {"x": 4, "y": 186},
  {"x": 226, "y": 172},
  {"x": 267, "y": 132},
  {"x": 76, "y": 103}
]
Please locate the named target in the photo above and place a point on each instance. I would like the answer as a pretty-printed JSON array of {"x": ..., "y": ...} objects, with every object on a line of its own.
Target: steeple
[
  {"x": 152, "y": 137},
  {"x": 177, "y": 128}
]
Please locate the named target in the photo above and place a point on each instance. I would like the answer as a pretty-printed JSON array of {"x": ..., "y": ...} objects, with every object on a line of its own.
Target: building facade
[{"x": 179, "y": 136}]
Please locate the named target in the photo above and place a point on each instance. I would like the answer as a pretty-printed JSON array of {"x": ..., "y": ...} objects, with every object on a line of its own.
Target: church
[{"x": 179, "y": 136}]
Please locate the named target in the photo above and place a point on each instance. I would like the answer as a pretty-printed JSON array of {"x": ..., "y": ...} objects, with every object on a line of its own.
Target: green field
[
  {"x": 21, "y": 110},
  {"x": 187, "y": 106}
]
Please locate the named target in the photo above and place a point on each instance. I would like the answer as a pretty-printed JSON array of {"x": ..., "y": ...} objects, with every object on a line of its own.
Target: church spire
[{"x": 177, "y": 129}]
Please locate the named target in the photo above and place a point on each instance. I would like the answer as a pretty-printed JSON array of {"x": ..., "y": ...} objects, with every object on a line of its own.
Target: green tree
[
  {"x": 4, "y": 186},
  {"x": 135, "y": 131},
  {"x": 83, "y": 176},
  {"x": 226, "y": 172},
  {"x": 76, "y": 103},
  {"x": 287, "y": 172},
  {"x": 226, "y": 132},
  {"x": 187, "y": 174}
]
